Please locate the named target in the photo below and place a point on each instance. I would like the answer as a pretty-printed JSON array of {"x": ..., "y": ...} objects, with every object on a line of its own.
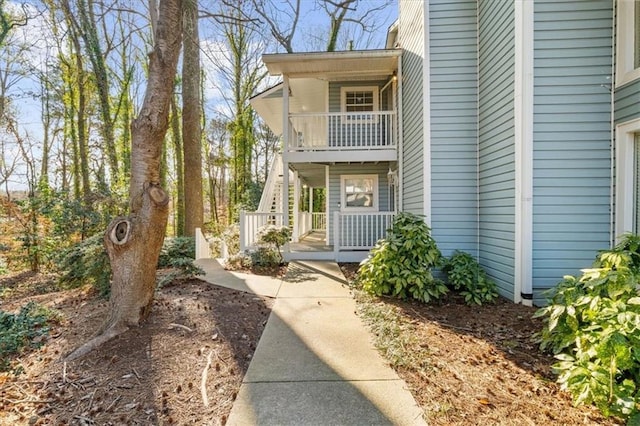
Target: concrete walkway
[{"x": 315, "y": 363}]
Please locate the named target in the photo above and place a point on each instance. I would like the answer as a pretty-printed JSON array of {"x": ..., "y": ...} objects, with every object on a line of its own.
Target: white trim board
[
  {"x": 625, "y": 16},
  {"x": 625, "y": 138},
  {"x": 426, "y": 116}
]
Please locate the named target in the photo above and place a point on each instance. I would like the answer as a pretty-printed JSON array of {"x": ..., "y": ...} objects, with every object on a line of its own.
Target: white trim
[
  {"x": 625, "y": 16},
  {"x": 625, "y": 139},
  {"x": 327, "y": 203},
  {"x": 523, "y": 123},
  {"x": 375, "y": 94},
  {"x": 426, "y": 116},
  {"x": 343, "y": 194}
]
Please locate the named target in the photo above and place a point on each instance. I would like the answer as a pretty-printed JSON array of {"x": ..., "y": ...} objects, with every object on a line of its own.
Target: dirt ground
[
  {"x": 465, "y": 365},
  {"x": 476, "y": 365},
  {"x": 184, "y": 366}
]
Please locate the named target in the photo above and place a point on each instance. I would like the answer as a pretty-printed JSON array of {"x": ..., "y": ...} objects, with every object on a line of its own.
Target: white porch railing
[
  {"x": 203, "y": 251},
  {"x": 305, "y": 223},
  {"x": 359, "y": 231},
  {"x": 318, "y": 221},
  {"x": 342, "y": 131},
  {"x": 250, "y": 223}
]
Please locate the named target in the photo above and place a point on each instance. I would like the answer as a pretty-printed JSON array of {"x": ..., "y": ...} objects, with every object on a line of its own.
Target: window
[
  {"x": 356, "y": 100},
  {"x": 627, "y": 41},
  {"x": 359, "y": 192},
  {"x": 627, "y": 185}
]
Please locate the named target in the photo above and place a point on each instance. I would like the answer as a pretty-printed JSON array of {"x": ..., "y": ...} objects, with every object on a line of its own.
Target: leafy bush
[
  {"x": 178, "y": 254},
  {"x": 231, "y": 237},
  {"x": 400, "y": 264},
  {"x": 277, "y": 236},
  {"x": 86, "y": 263},
  {"x": 238, "y": 261},
  {"x": 176, "y": 248},
  {"x": 464, "y": 274},
  {"x": 24, "y": 329},
  {"x": 592, "y": 325},
  {"x": 265, "y": 257}
]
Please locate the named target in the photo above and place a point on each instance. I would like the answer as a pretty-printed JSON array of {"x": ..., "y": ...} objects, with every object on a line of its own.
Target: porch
[{"x": 350, "y": 239}]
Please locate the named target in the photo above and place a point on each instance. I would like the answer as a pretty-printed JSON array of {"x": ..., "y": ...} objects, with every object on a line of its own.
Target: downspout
[
  {"x": 612, "y": 137},
  {"x": 400, "y": 138},
  {"x": 523, "y": 126}
]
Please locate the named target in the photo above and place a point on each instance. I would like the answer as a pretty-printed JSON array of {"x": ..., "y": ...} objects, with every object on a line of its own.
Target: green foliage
[
  {"x": 87, "y": 262},
  {"x": 178, "y": 254},
  {"x": 24, "y": 329},
  {"x": 231, "y": 237},
  {"x": 265, "y": 257},
  {"x": 176, "y": 248},
  {"x": 592, "y": 325},
  {"x": 464, "y": 274},
  {"x": 277, "y": 236},
  {"x": 400, "y": 264}
]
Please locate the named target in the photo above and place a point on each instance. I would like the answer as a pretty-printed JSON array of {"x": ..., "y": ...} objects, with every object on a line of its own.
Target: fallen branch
[
  {"x": 203, "y": 383},
  {"x": 184, "y": 327}
]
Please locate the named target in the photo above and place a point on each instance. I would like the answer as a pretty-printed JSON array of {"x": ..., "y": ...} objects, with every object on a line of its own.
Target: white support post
[
  {"x": 296, "y": 207},
  {"x": 285, "y": 150},
  {"x": 336, "y": 233},
  {"x": 311, "y": 199},
  {"x": 243, "y": 231},
  {"x": 327, "y": 210}
]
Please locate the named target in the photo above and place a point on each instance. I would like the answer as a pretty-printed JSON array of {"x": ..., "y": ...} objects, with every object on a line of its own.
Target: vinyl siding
[
  {"x": 411, "y": 38},
  {"x": 337, "y": 170},
  {"x": 496, "y": 142},
  {"x": 572, "y": 139},
  {"x": 627, "y": 102},
  {"x": 454, "y": 130}
]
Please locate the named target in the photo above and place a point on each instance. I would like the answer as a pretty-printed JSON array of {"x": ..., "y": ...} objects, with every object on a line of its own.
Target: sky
[{"x": 313, "y": 22}]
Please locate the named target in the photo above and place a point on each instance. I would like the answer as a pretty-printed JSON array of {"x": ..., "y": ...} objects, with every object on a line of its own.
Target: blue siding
[
  {"x": 411, "y": 37},
  {"x": 454, "y": 129},
  {"x": 496, "y": 142},
  {"x": 627, "y": 102},
  {"x": 572, "y": 140}
]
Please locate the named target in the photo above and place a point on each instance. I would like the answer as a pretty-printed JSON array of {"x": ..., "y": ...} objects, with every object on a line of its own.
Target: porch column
[
  {"x": 311, "y": 202},
  {"x": 296, "y": 207},
  {"x": 327, "y": 210},
  {"x": 285, "y": 150}
]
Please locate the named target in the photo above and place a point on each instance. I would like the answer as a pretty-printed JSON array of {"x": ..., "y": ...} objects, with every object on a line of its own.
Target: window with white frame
[
  {"x": 627, "y": 41},
  {"x": 359, "y": 192},
  {"x": 359, "y": 102},
  {"x": 627, "y": 186}
]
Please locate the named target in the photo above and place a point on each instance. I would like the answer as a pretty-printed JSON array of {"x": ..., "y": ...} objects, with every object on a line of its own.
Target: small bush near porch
[{"x": 400, "y": 265}]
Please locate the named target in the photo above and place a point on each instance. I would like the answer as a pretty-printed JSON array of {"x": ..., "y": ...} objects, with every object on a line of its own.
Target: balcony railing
[
  {"x": 342, "y": 131},
  {"x": 251, "y": 222}
]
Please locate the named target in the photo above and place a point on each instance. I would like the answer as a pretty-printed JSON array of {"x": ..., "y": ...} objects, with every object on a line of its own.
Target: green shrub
[
  {"x": 464, "y": 274},
  {"x": 265, "y": 257},
  {"x": 277, "y": 236},
  {"x": 400, "y": 264},
  {"x": 176, "y": 248},
  {"x": 231, "y": 237},
  {"x": 178, "y": 254},
  {"x": 24, "y": 329},
  {"x": 592, "y": 325},
  {"x": 86, "y": 263}
]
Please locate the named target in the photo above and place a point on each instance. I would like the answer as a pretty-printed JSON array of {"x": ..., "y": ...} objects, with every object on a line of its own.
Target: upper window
[
  {"x": 358, "y": 102},
  {"x": 627, "y": 185},
  {"x": 627, "y": 41},
  {"x": 359, "y": 192}
]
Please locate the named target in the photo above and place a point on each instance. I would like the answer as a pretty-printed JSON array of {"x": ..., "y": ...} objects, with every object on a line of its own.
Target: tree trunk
[
  {"x": 191, "y": 115},
  {"x": 134, "y": 242}
]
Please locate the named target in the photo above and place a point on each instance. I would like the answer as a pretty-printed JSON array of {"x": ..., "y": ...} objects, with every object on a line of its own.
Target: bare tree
[{"x": 134, "y": 242}]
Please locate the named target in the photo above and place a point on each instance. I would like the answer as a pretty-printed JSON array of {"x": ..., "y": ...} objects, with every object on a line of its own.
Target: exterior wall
[
  {"x": 334, "y": 93},
  {"x": 496, "y": 142},
  {"x": 337, "y": 170},
  {"x": 411, "y": 38},
  {"x": 627, "y": 102},
  {"x": 572, "y": 137},
  {"x": 454, "y": 124}
]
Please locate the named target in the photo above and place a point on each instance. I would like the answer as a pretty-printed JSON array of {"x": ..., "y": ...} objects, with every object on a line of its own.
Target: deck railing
[
  {"x": 250, "y": 223},
  {"x": 319, "y": 221},
  {"x": 342, "y": 131},
  {"x": 359, "y": 231}
]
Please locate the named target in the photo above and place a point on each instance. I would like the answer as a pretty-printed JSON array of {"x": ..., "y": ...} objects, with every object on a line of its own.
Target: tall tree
[
  {"x": 191, "y": 116},
  {"x": 134, "y": 242}
]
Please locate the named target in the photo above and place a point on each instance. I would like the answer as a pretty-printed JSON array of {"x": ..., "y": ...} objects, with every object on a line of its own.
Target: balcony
[{"x": 369, "y": 136}]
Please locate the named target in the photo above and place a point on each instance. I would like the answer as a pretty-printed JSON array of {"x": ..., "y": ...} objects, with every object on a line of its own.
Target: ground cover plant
[
  {"x": 592, "y": 325},
  {"x": 464, "y": 274}
]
